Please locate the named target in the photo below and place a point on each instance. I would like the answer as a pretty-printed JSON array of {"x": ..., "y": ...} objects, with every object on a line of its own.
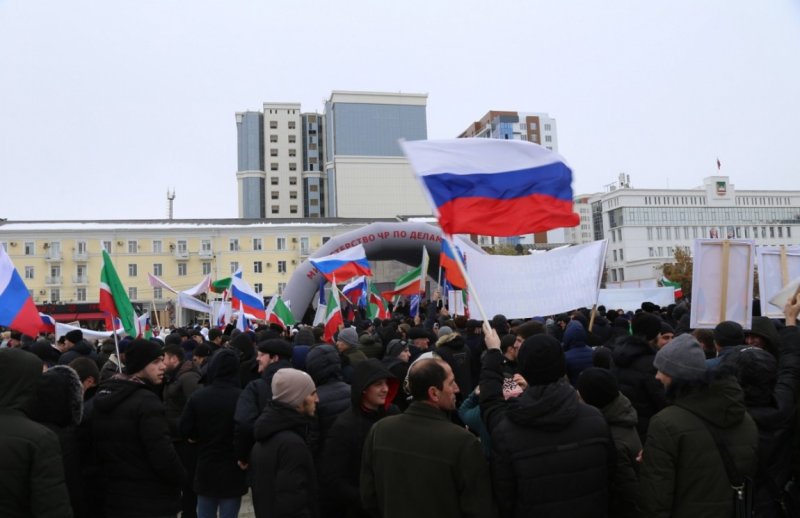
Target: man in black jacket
[
  {"x": 283, "y": 477},
  {"x": 129, "y": 427},
  {"x": 551, "y": 454}
]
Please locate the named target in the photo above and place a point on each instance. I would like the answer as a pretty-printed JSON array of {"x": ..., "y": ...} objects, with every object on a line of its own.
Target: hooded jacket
[
  {"x": 621, "y": 418},
  {"x": 178, "y": 386},
  {"x": 551, "y": 454},
  {"x": 682, "y": 473},
  {"x": 453, "y": 349},
  {"x": 633, "y": 367},
  {"x": 577, "y": 354},
  {"x": 131, "y": 436},
  {"x": 208, "y": 421},
  {"x": 324, "y": 365},
  {"x": 82, "y": 349},
  {"x": 283, "y": 480},
  {"x": 32, "y": 476},
  {"x": 340, "y": 465}
]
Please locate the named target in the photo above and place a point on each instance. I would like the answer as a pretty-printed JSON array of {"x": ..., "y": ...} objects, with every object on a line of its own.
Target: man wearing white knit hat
[{"x": 283, "y": 478}]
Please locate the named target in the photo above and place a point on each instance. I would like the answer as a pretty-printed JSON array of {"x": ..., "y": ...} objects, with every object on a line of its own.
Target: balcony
[
  {"x": 53, "y": 255},
  {"x": 80, "y": 257},
  {"x": 80, "y": 279},
  {"x": 53, "y": 281},
  {"x": 305, "y": 251},
  {"x": 181, "y": 255},
  {"x": 206, "y": 253}
]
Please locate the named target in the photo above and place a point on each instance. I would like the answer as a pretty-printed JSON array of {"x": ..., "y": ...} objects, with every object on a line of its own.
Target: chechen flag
[
  {"x": 494, "y": 187},
  {"x": 17, "y": 309},
  {"x": 343, "y": 265},
  {"x": 114, "y": 299},
  {"x": 333, "y": 316}
]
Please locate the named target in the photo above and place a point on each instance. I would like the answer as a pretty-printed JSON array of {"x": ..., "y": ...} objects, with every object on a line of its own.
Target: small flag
[
  {"x": 113, "y": 297},
  {"x": 281, "y": 314},
  {"x": 412, "y": 282},
  {"x": 333, "y": 316},
  {"x": 356, "y": 291},
  {"x": 671, "y": 284},
  {"x": 343, "y": 265},
  {"x": 452, "y": 273},
  {"x": 17, "y": 309},
  {"x": 413, "y": 309},
  {"x": 242, "y": 294},
  {"x": 493, "y": 187},
  {"x": 377, "y": 307}
]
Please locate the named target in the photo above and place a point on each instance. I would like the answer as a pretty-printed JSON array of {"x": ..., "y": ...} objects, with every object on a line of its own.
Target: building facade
[{"x": 645, "y": 226}]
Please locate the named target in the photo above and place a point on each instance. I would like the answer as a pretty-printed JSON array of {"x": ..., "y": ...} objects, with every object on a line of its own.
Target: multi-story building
[
  {"x": 645, "y": 226},
  {"x": 367, "y": 174},
  {"x": 539, "y": 128},
  {"x": 60, "y": 261}
]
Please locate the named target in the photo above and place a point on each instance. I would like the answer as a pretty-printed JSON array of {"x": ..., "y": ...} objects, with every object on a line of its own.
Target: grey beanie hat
[
  {"x": 349, "y": 335},
  {"x": 682, "y": 358},
  {"x": 291, "y": 386}
]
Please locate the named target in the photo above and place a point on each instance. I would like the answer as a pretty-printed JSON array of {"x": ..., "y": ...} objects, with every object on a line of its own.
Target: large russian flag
[
  {"x": 17, "y": 309},
  {"x": 245, "y": 298},
  {"x": 344, "y": 265},
  {"x": 494, "y": 187},
  {"x": 447, "y": 260}
]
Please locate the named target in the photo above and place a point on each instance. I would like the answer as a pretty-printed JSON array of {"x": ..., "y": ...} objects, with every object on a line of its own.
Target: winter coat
[
  {"x": 340, "y": 465},
  {"x": 82, "y": 349},
  {"x": 284, "y": 480},
  {"x": 207, "y": 420},
  {"x": 59, "y": 406},
  {"x": 252, "y": 401},
  {"x": 633, "y": 367},
  {"x": 577, "y": 354},
  {"x": 178, "y": 386},
  {"x": 350, "y": 357},
  {"x": 399, "y": 369},
  {"x": 323, "y": 364},
  {"x": 456, "y": 353},
  {"x": 419, "y": 464},
  {"x": 551, "y": 454},
  {"x": 109, "y": 368},
  {"x": 621, "y": 418},
  {"x": 32, "y": 475},
  {"x": 132, "y": 442},
  {"x": 682, "y": 473}
]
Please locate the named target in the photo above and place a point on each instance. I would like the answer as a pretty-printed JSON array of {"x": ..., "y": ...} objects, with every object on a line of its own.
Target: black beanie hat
[
  {"x": 646, "y": 325},
  {"x": 729, "y": 333},
  {"x": 74, "y": 336},
  {"x": 597, "y": 387},
  {"x": 139, "y": 354},
  {"x": 541, "y": 360}
]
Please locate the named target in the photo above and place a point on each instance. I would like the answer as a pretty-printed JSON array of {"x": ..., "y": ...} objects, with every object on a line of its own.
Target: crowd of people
[{"x": 612, "y": 413}]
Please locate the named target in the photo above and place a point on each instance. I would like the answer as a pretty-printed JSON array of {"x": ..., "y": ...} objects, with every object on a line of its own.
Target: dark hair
[
  {"x": 86, "y": 368},
  {"x": 174, "y": 350},
  {"x": 213, "y": 334},
  {"x": 507, "y": 341},
  {"x": 424, "y": 374}
]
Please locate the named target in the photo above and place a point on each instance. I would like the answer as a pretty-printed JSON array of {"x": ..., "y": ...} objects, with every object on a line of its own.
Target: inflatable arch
[{"x": 382, "y": 241}]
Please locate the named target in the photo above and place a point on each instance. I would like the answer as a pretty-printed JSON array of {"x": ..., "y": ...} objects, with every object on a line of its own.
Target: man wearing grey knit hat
[
  {"x": 681, "y": 358},
  {"x": 282, "y": 474}
]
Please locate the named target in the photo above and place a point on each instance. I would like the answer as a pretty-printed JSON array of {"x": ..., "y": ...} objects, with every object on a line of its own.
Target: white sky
[{"x": 104, "y": 105}]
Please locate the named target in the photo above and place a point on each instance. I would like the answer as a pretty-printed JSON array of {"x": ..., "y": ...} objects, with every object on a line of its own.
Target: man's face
[
  {"x": 421, "y": 343},
  {"x": 374, "y": 396},
  {"x": 755, "y": 341},
  {"x": 341, "y": 346},
  {"x": 154, "y": 372},
  {"x": 198, "y": 338},
  {"x": 263, "y": 360},
  {"x": 405, "y": 355},
  {"x": 665, "y": 379},
  {"x": 172, "y": 362},
  {"x": 446, "y": 396},
  {"x": 309, "y": 404},
  {"x": 198, "y": 360},
  {"x": 663, "y": 339}
]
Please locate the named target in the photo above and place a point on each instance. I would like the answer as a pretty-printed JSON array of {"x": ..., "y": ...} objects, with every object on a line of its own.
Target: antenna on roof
[{"x": 170, "y": 199}]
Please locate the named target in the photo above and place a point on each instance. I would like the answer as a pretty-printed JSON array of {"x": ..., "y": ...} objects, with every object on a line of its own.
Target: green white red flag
[{"x": 113, "y": 297}]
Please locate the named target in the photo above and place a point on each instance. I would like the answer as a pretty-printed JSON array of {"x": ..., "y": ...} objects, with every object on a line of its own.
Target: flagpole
[
  {"x": 463, "y": 269},
  {"x": 155, "y": 312},
  {"x": 116, "y": 344}
]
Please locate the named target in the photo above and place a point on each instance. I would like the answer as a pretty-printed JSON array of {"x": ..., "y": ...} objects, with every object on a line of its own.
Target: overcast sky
[{"x": 104, "y": 105}]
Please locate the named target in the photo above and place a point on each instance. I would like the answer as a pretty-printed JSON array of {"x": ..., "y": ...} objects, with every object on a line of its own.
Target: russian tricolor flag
[
  {"x": 343, "y": 265},
  {"x": 447, "y": 260},
  {"x": 17, "y": 309},
  {"x": 356, "y": 291},
  {"x": 494, "y": 187},
  {"x": 245, "y": 298}
]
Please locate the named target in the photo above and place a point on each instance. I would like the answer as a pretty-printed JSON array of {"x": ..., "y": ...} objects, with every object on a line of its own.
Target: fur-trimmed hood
[{"x": 59, "y": 397}]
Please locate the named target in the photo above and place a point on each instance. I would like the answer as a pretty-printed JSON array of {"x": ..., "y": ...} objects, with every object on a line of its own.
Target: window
[
  {"x": 293, "y": 166},
  {"x": 280, "y": 243},
  {"x": 274, "y": 195},
  {"x": 257, "y": 243},
  {"x": 29, "y": 272},
  {"x": 273, "y": 124},
  {"x": 257, "y": 267},
  {"x": 292, "y": 124},
  {"x": 55, "y": 295},
  {"x": 206, "y": 268},
  {"x": 669, "y": 233},
  {"x": 292, "y": 152},
  {"x": 132, "y": 270},
  {"x": 258, "y": 287},
  {"x": 615, "y": 255},
  {"x": 547, "y": 127},
  {"x": 621, "y": 258},
  {"x": 183, "y": 247},
  {"x": 273, "y": 166},
  {"x": 614, "y": 274},
  {"x": 651, "y": 251},
  {"x": 281, "y": 266},
  {"x": 30, "y": 247},
  {"x": 158, "y": 270},
  {"x": 80, "y": 247},
  {"x": 658, "y": 233},
  {"x": 313, "y": 188},
  {"x": 292, "y": 139},
  {"x": 281, "y": 287},
  {"x": 233, "y": 244},
  {"x": 293, "y": 209},
  {"x": 181, "y": 269},
  {"x": 649, "y": 233},
  {"x": 313, "y": 203},
  {"x": 325, "y": 239},
  {"x": 107, "y": 246},
  {"x": 772, "y": 232},
  {"x": 292, "y": 180},
  {"x": 660, "y": 251},
  {"x": 273, "y": 138},
  {"x": 157, "y": 247},
  {"x": 80, "y": 294},
  {"x": 273, "y": 152},
  {"x": 304, "y": 245},
  {"x": 273, "y": 180},
  {"x": 158, "y": 293},
  {"x": 548, "y": 138},
  {"x": 132, "y": 246},
  {"x": 132, "y": 293},
  {"x": 274, "y": 209},
  {"x": 621, "y": 275},
  {"x": 234, "y": 266}
]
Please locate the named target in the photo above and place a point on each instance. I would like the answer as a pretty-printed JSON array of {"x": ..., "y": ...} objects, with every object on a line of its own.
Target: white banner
[
  {"x": 455, "y": 302},
  {"x": 644, "y": 283},
  {"x": 722, "y": 282},
  {"x": 62, "y": 329},
  {"x": 202, "y": 287},
  {"x": 772, "y": 278},
  {"x": 525, "y": 286},
  {"x": 189, "y": 302},
  {"x": 631, "y": 299}
]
